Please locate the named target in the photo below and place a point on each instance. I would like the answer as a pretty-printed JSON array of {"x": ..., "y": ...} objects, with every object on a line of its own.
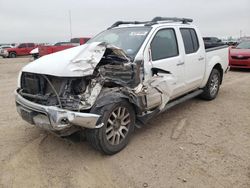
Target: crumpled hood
[{"x": 74, "y": 62}]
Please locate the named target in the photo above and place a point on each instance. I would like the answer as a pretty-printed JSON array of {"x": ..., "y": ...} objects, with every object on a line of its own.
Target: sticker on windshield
[{"x": 138, "y": 33}]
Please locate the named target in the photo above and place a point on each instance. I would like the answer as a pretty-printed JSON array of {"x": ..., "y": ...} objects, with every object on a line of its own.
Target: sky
[{"x": 48, "y": 20}]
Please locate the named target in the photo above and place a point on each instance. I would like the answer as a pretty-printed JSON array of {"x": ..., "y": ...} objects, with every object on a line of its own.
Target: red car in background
[
  {"x": 20, "y": 49},
  {"x": 239, "y": 56},
  {"x": 45, "y": 50}
]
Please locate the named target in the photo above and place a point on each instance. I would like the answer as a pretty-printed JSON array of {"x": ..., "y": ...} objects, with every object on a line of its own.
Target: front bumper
[
  {"x": 4, "y": 53},
  {"x": 53, "y": 118}
]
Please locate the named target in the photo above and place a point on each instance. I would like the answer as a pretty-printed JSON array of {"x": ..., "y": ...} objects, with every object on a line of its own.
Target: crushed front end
[
  {"x": 99, "y": 75},
  {"x": 56, "y": 104},
  {"x": 63, "y": 104}
]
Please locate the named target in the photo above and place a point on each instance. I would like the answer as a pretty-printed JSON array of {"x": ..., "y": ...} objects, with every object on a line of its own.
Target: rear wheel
[
  {"x": 118, "y": 124},
  {"x": 213, "y": 86},
  {"x": 12, "y": 55}
]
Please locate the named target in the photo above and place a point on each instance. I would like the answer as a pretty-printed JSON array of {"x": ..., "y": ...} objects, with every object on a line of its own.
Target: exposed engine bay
[{"x": 115, "y": 73}]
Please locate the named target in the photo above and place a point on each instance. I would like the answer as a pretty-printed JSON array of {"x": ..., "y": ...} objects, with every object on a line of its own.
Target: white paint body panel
[
  {"x": 197, "y": 67},
  {"x": 219, "y": 56},
  {"x": 73, "y": 62}
]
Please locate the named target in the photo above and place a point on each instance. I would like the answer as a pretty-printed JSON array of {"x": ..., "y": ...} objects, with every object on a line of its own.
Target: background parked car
[
  {"x": 45, "y": 50},
  {"x": 21, "y": 49},
  {"x": 3, "y": 51},
  {"x": 239, "y": 56},
  {"x": 232, "y": 42},
  {"x": 49, "y": 49},
  {"x": 211, "y": 42}
]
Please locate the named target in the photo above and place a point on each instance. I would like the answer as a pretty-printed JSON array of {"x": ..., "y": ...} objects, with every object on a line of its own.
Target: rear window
[
  {"x": 190, "y": 40},
  {"x": 31, "y": 45},
  {"x": 75, "y": 40},
  {"x": 206, "y": 39}
]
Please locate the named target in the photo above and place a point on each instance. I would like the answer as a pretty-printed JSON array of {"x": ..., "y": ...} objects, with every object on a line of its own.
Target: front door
[{"x": 165, "y": 55}]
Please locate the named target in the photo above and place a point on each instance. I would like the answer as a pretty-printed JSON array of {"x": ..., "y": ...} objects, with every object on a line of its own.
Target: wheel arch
[
  {"x": 212, "y": 65},
  {"x": 219, "y": 68},
  {"x": 10, "y": 52},
  {"x": 114, "y": 97},
  {"x": 109, "y": 98}
]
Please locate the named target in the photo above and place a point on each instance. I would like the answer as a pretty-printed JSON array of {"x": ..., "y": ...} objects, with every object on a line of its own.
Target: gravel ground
[{"x": 195, "y": 144}]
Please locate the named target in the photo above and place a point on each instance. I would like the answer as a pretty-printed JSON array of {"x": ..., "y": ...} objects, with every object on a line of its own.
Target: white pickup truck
[{"x": 120, "y": 79}]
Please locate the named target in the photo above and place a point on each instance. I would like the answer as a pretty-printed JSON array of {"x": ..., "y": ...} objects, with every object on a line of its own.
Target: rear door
[
  {"x": 194, "y": 58},
  {"x": 166, "y": 55}
]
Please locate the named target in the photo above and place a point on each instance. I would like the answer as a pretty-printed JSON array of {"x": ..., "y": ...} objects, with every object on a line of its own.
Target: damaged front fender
[{"x": 109, "y": 98}]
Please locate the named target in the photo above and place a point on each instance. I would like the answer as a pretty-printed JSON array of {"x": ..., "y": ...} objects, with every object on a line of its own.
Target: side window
[
  {"x": 195, "y": 40},
  {"x": 190, "y": 40},
  {"x": 31, "y": 45},
  {"x": 22, "y": 46},
  {"x": 164, "y": 45}
]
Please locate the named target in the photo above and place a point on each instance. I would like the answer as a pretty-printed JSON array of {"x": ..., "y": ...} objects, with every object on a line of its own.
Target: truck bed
[{"x": 219, "y": 54}]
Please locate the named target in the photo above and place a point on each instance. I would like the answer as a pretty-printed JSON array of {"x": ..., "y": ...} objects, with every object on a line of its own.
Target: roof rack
[
  {"x": 154, "y": 21},
  {"x": 173, "y": 19},
  {"x": 116, "y": 24}
]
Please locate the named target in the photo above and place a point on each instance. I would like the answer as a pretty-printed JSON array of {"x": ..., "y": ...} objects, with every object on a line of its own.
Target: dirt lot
[{"x": 196, "y": 144}]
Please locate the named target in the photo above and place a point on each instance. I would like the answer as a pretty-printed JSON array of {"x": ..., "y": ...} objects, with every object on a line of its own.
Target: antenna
[{"x": 70, "y": 24}]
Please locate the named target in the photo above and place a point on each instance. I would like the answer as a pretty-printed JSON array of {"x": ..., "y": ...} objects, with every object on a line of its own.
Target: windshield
[
  {"x": 128, "y": 39},
  {"x": 244, "y": 45},
  {"x": 16, "y": 45}
]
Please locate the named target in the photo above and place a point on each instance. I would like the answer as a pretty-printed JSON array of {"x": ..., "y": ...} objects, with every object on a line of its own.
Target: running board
[{"x": 182, "y": 99}]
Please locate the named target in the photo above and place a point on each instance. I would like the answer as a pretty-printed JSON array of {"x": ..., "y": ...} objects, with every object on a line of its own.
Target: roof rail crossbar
[
  {"x": 173, "y": 19},
  {"x": 116, "y": 24},
  {"x": 154, "y": 21}
]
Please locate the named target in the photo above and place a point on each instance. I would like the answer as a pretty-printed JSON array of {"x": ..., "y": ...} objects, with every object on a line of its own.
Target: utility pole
[
  {"x": 240, "y": 34},
  {"x": 70, "y": 24}
]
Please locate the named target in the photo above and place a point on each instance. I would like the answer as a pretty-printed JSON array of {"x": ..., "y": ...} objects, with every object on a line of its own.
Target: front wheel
[
  {"x": 213, "y": 86},
  {"x": 118, "y": 124},
  {"x": 12, "y": 55}
]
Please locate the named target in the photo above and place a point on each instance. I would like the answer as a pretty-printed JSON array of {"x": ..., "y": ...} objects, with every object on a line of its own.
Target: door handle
[
  {"x": 180, "y": 63},
  {"x": 201, "y": 59}
]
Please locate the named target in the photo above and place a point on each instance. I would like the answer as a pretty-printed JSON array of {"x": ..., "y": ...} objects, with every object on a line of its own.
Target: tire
[
  {"x": 35, "y": 56},
  {"x": 12, "y": 55},
  {"x": 213, "y": 85},
  {"x": 118, "y": 124}
]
